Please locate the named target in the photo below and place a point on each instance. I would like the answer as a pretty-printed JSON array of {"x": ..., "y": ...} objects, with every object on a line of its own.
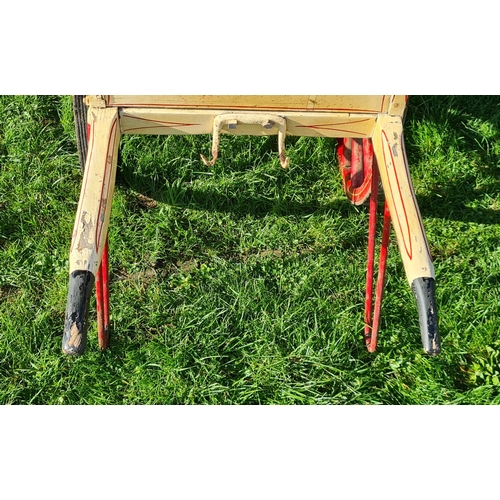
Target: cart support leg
[
  {"x": 372, "y": 230},
  {"x": 102, "y": 300},
  {"x": 388, "y": 145},
  {"x": 91, "y": 228},
  {"x": 372, "y": 321},
  {"x": 379, "y": 292}
]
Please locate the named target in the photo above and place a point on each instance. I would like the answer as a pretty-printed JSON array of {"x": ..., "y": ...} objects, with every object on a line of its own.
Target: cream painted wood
[
  {"x": 94, "y": 206},
  {"x": 183, "y": 122},
  {"x": 388, "y": 146},
  {"x": 375, "y": 117},
  {"x": 309, "y": 103},
  {"x": 397, "y": 105}
]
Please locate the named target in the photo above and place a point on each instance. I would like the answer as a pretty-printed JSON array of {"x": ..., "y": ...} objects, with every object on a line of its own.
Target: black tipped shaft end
[
  {"x": 424, "y": 290},
  {"x": 77, "y": 310}
]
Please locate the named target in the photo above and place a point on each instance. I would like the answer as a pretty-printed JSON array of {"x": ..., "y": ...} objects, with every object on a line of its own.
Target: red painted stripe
[
  {"x": 413, "y": 194},
  {"x": 333, "y": 124},
  {"x": 106, "y": 182},
  {"x": 213, "y": 106},
  {"x": 348, "y": 131},
  {"x": 164, "y": 124},
  {"x": 406, "y": 241},
  {"x": 128, "y": 130}
]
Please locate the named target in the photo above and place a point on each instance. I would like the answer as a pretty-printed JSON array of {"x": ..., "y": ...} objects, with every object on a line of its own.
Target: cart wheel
[
  {"x": 356, "y": 162},
  {"x": 80, "y": 116}
]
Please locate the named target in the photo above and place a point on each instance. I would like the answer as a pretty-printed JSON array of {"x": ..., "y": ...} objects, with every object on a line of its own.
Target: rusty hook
[{"x": 267, "y": 121}]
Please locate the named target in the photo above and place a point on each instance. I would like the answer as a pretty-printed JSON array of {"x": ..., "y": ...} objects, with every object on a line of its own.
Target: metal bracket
[{"x": 268, "y": 121}]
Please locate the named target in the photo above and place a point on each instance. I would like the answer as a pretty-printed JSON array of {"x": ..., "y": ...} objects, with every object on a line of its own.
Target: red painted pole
[
  {"x": 105, "y": 293},
  {"x": 372, "y": 227},
  {"x": 102, "y": 300},
  {"x": 102, "y": 292},
  {"x": 379, "y": 293},
  {"x": 99, "y": 305}
]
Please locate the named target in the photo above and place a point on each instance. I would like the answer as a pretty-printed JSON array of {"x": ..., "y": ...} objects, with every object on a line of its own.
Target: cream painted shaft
[
  {"x": 388, "y": 146},
  {"x": 94, "y": 207}
]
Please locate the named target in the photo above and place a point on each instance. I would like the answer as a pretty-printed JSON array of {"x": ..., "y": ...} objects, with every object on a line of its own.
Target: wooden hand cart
[{"x": 369, "y": 130}]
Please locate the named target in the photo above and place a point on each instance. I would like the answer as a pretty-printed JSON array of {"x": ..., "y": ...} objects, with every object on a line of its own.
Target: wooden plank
[
  {"x": 309, "y": 103},
  {"x": 91, "y": 224},
  {"x": 397, "y": 105},
  {"x": 180, "y": 122},
  {"x": 94, "y": 207},
  {"x": 388, "y": 147}
]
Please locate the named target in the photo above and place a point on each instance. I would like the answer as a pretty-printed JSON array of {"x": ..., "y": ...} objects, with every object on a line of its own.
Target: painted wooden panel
[
  {"x": 326, "y": 103},
  {"x": 94, "y": 207},
  {"x": 388, "y": 147},
  {"x": 397, "y": 105},
  {"x": 176, "y": 122}
]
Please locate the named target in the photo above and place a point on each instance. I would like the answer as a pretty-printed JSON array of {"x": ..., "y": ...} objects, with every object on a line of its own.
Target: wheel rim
[{"x": 80, "y": 117}]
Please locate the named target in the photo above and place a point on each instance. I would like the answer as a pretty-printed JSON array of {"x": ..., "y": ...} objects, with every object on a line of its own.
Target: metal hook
[{"x": 267, "y": 121}]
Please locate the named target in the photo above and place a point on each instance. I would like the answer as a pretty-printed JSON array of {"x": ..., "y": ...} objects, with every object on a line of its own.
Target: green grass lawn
[{"x": 244, "y": 283}]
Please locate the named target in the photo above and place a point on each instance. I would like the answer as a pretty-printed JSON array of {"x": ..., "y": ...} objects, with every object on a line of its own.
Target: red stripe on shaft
[{"x": 407, "y": 242}]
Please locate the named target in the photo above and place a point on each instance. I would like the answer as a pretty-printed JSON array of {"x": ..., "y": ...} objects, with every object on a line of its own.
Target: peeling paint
[
  {"x": 75, "y": 338},
  {"x": 103, "y": 210},
  {"x": 85, "y": 235}
]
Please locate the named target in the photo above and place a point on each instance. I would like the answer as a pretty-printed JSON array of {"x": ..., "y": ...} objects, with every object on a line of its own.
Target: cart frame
[{"x": 371, "y": 150}]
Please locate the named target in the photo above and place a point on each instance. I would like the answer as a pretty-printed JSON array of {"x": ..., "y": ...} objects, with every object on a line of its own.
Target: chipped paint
[
  {"x": 75, "y": 338},
  {"x": 103, "y": 210},
  {"x": 311, "y": 102},
  {"x": 85, "y": 241},
  {"x": 395, "y": 145}
]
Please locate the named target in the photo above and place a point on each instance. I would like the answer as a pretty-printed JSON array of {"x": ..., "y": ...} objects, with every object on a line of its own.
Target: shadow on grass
[
  {"x": 464, "y": 121},
  {"x": 449, "y": 198},
  {"x": 443, "y": 203},
  {"x": 242, "y": 204},
  {"x": 241, "y": 188}
]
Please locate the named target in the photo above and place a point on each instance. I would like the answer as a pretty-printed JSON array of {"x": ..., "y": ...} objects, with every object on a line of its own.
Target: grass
[{"x": 244, "y": 283}]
